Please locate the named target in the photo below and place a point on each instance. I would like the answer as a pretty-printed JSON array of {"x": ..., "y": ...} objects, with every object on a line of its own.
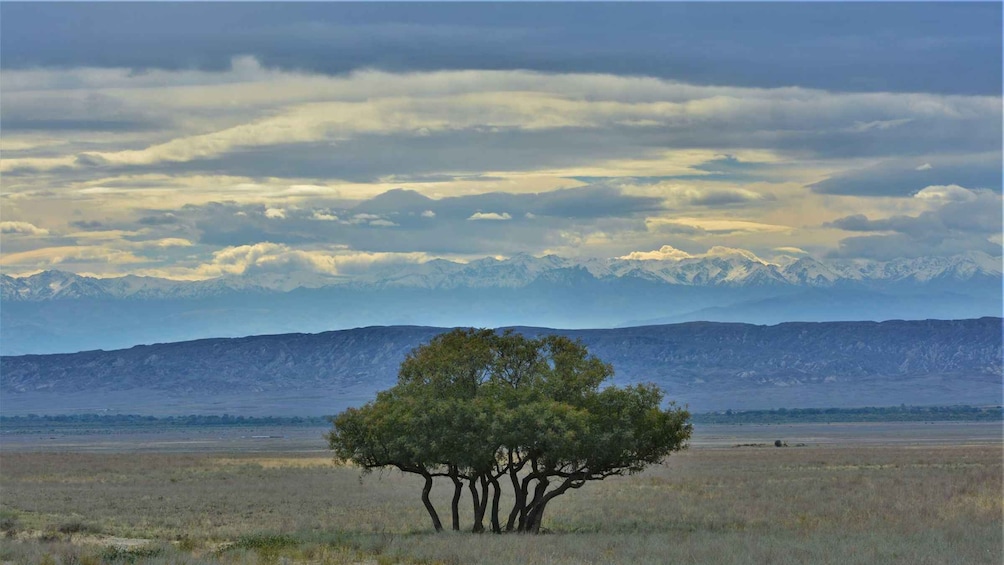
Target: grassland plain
[{"x": 840, "y": 501}]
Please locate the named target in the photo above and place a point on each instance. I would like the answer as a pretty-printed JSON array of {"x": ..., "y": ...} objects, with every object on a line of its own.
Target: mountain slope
[{"x": 708, "y": 365}]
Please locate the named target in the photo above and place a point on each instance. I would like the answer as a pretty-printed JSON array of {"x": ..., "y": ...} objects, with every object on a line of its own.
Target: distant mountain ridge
[
  {"x": 727, "y": 267},
  {"x": 53, "y": 311},
  {"x": 710, "y": 366}
]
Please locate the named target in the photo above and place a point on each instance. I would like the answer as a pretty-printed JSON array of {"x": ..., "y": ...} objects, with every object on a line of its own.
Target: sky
[{"x": 191, "y": 141}]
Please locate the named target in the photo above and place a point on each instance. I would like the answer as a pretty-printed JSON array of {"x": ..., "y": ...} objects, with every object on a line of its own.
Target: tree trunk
[
  {"x": 536, "y": 514},
  {"x": 496, "y": 497},
  {"x": 479, "y": 515},
  {"x": 526, "y": 516},
  {"x": 483, "y": 506},
  {"x": 436, "y": 523},
  {"x": 520, "y": 493},
  {"x": 458, "y": 488}
]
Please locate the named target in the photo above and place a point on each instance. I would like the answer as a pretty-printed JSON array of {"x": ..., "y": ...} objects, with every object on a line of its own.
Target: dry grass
[{"x": 873, "y": 504}]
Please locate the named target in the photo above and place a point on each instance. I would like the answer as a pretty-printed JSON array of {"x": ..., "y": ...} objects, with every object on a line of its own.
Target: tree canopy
[{"x": 484, "y": 409}]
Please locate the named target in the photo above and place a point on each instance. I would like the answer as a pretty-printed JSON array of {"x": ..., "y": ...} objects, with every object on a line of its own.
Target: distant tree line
[
  {"x": 138, "y": 421},
  {"x": 778, "y": 416},
  {"x": 900, "y": 413}
]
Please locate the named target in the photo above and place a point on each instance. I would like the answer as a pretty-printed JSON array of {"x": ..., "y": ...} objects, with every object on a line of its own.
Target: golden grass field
[{"x": 839, "y": 502}]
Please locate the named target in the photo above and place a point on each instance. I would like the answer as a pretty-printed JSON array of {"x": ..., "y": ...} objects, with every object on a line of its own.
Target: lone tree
[{"x": 495, "y": 412}]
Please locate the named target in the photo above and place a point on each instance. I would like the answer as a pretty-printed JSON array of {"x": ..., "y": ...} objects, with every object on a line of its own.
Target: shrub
[{"x": 77, "y": 527}]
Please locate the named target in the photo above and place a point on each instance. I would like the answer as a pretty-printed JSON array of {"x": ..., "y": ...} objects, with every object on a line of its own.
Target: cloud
[
  {"x": 323, "y": 216},
  {"x": 716, "y": 225},
  {"x": 861, "y": 127},
  {"x": 266, "y": 257},
  {"x": 961, "y": 220},
  {"x": 23, "y": 228},
  {"x": 490, "y": 216},
  {"x": 253, "y": 150},
  {"x": 697, "y": 43},
  {"x": 957, "y": 209},
  {"x": 903, "y": 177},
  {"x": 525, "y": 118},
  {"x": 88, "y": 225},
  {"x": 166, "y": 218},
  {"x": 899, "y": 246},
  {"x": 664, "y": 253},
  {"x": 791, "y": 250},
  {"x": 950, "y": 193},
  {"x": 168, "y": 242},
  {"x": 49, "y": 256}
]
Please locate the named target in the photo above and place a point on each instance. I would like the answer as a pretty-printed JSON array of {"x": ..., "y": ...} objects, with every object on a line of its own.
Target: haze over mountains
[
  {"x": 55, "y": 311},
  {"x": 709, "y": 366}
]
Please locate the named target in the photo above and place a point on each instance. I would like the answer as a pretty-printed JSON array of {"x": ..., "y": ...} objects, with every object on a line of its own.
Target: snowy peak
[
  {"x": 49, "y": 285},
  {"x": 810, "y": 272},
  {"x": 724, "y": 267}
]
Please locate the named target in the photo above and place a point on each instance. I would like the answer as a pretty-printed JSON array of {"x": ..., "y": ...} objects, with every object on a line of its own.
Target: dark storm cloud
[
  {"x": 898, "y": 246},
  {"x": 982, "y": 214},
  {"x": 857, "y": 47},
  {"x": 953, "y": 227},
  {"x": 903, "y": 177}
]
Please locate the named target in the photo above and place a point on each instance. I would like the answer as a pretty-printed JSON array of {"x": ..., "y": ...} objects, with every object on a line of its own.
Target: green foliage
[
  {"x": 129, "y": 555},
  {"x": 265, "y": 542},
  {"x": 9, "y": 523},
  {"x": 476, "y": 406},
  {"x": 77, "y": 527}
]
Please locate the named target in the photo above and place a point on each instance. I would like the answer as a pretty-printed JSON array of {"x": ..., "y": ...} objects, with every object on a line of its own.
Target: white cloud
[
  {"x": 924, "y": 167},
  {"x": 664, "y": 253},
  {"x": 169, "y": 242},
  {"x": 323, "y": 216},
  {"x": 215, "y": 114},
  {"x": 23, "y": 228},
  {"x": 282, "y": 259},
  {"x": 249, "y": 106},
  {"x": 860, "y": 127},
  {"x": 48, "y": 256},
  {"x": 791, "y": 250},
  {"x": 490, "y": 216},
  {"x": 716, "y": 225},
  {"x": 949, "y": 193}
]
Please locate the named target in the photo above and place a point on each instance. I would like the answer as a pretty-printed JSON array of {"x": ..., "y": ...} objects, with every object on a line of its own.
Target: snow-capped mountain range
[
  {"x": 727, "y": 268},
  {"x": 54, "y": 311}
]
